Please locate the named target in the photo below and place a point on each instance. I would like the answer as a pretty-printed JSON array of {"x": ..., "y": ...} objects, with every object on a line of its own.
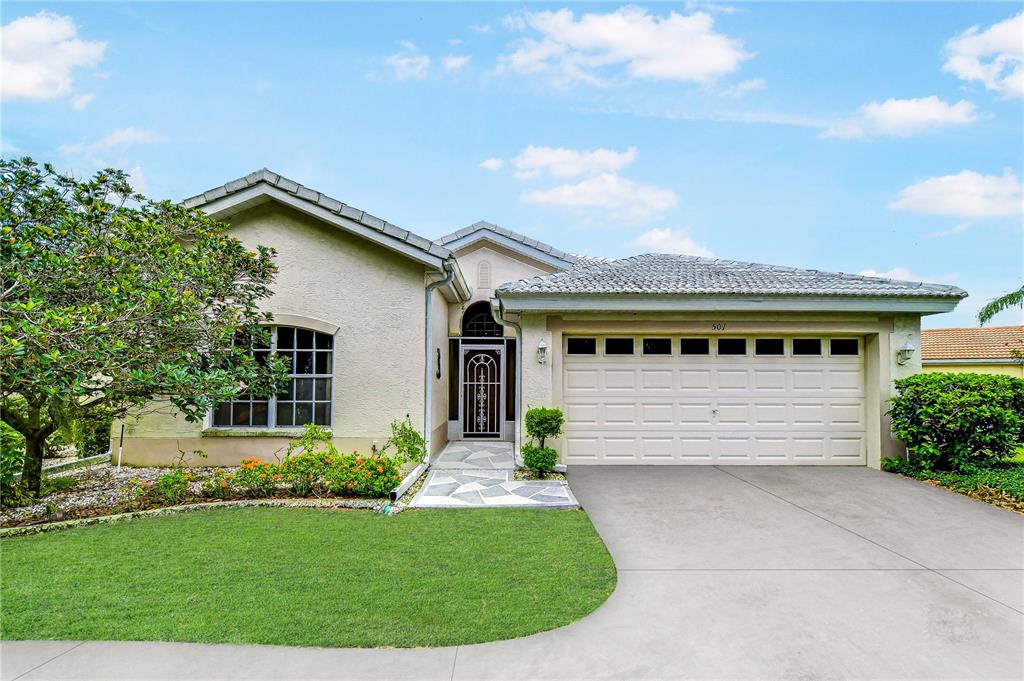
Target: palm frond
[{"x": 994, "y": 307}]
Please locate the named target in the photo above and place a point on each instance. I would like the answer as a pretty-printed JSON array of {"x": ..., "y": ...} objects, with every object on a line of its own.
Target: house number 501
[{"x": 718, "y": 327}]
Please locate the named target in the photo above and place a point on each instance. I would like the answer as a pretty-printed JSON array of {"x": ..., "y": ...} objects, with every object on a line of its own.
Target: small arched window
[
  {"x": 483, "y": 274},
  {"x": 478, "y": 322}
]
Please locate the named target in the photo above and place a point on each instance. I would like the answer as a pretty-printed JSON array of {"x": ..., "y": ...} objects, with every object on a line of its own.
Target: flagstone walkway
[
  {"x": 490, "y": 488},
  {"x": 469, "y": 454}
]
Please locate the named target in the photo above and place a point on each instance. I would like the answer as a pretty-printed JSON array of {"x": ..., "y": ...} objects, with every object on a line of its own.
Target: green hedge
[{"x": 958, "y": 422}]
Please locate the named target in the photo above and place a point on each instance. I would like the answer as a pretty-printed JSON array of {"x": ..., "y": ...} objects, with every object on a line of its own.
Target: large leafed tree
[{"x": 109, "y": 300}]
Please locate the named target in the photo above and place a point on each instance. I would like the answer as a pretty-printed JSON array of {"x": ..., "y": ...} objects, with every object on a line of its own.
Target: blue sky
[{"x": 864, "y": 137}]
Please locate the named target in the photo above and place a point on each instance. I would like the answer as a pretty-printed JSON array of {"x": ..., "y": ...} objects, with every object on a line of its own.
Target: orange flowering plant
[{"x": 257, "y": 478}]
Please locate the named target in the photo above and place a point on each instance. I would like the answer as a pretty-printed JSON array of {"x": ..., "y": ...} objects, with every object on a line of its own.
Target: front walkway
[{"x": 475, "y": 454}]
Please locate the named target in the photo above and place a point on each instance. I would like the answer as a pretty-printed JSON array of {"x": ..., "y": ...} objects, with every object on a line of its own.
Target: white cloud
[
  {"x": 903, "y": 118},
  {"x": 138, "y": 180},
  {"x": 38, "y": 55},
  {"x": 956, "y": 229},
  {"x": 669, "y": 240},
  {"x": 993, "y": 57},
  {"x": 81, "y": 101},
  {"x": 966, "y": 195},
  {"x": 740, "y": 89},
  {"x": 622, "y": 198},
  {"x": 116, "y": 138},
  {"x": 480, "y": 28},
  {"x": 407, "y": 65},
  {"x": 904, "y": 274},
  {"x": 566, "y": 163},
  {"x": 455, "y": 62},
  {"x": 454, "y": 42},
  {"x": 492, "y": 164},
  {"x": 675, "y": 47}
]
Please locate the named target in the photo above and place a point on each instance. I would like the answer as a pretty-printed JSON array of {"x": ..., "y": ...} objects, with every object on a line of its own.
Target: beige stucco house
[{"x": 655, "y": 359}]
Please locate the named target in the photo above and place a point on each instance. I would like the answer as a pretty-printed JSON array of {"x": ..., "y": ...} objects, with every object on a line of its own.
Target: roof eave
[{"x": 574, "y": 302}]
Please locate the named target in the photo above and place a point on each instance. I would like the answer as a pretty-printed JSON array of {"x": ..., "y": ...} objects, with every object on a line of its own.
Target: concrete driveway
[{"x": 807, "y": 573}]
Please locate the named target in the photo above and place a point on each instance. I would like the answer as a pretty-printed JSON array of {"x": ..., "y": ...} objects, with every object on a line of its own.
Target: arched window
[
  {"x": 307, "y": 396},
  {"x": 478, "y": 322},
  {"x": 483, "y": 274}
]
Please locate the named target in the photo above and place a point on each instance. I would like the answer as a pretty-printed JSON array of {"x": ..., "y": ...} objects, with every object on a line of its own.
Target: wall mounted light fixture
[
  {"x": 905, "y": 352},
  {"x": 542, "y": 352}
]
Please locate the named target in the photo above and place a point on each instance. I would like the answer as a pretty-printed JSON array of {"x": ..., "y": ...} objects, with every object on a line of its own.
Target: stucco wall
[
  {"x": 999, "y": 369},
  {"x": 376, "y": 299},
  {"x": 439, "y": 387},
  {"x": 882, "y": 334}
]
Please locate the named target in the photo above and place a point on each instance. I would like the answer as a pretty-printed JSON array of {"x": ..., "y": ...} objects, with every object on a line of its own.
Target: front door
[{"x": 483, "y": 374}]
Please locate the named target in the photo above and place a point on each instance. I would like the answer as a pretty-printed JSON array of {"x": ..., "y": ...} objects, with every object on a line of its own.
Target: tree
[
  {"x": 109, "y": 300},
  {"x": 1005, "y": 302}
]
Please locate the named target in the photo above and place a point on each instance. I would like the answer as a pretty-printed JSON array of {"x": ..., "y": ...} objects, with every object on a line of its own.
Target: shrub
[
  {"x": 406, "y": 441},
  {"x": 958, "y": 421},
  {"x": 303, "y": 472},
  {"x": 363, "y": 476},
  {"x": 257, "y": 479},
  {"x": 218, "y": 486},
  {"x": 12, "y": 454},
  {"x": 169, "y": 489},
  {"x": 541, "y": 460},
  {"x": 542, "y": 423}
]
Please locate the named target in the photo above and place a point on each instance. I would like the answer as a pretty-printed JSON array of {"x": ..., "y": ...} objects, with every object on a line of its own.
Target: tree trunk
[{"x": 32, "y": 468}]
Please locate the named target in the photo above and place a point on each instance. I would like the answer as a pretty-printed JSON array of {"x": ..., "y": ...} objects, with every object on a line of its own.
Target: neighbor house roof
[
  {"x": 263, "y": 185},
  {"x": 994, "y": 342},
  {"x": 506, "y": 237}
]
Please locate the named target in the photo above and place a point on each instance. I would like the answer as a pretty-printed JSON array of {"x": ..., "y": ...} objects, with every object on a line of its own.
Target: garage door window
[
  {"x": 844, "y": 346},
  {"x": 581, "y": 346},
  {"x": 618, "y": 346},
  {"x": 769, "y": 346},
  {"x": 657, "y": 346},
  {"x": 807, "y": 347},
  {"x": 732, "y": 346},
  {"x": 694, "y": 346}
]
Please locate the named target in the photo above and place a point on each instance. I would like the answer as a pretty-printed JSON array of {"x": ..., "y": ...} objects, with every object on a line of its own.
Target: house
[
  {"x": 655, "y": 359},
  {"x": 986, "y": 350}
]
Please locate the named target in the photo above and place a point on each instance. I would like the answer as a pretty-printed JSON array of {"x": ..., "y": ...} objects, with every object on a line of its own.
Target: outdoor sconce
[
  {"x": 542, "y": 353},
  {"x": 904, "y": 353}
]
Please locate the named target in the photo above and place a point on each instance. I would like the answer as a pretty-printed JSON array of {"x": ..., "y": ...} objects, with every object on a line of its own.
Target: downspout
[
  {"x": 496, "y": 312},
  {"x": 428, "y": 342}
]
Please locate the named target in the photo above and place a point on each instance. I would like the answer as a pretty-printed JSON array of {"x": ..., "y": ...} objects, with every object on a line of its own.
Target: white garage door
[{"x": 717, "y": 400}]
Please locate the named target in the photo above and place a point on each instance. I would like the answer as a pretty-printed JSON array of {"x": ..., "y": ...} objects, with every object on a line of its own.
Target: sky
[{"x": 874, "y": 138}]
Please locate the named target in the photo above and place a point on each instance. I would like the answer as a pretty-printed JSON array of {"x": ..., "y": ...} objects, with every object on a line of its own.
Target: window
[
  {"x": 694, "y": 346},
  {"x": 657, "y": 346},
  {"x": 581, "y": 346},
  {"x": 807, "y": 346},
  {"x": 844, "y": 346},
  {"x": 769, "y": 346},
  {"x": 618, "y": 346},
  {"x": 732, "y": 346},
  {"x": 478, "y": 322},
  {"x": 307, "y": 396}
]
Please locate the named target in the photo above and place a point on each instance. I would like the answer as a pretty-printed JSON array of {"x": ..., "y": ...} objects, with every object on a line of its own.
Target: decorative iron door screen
[{"x": 483, "y": 374}]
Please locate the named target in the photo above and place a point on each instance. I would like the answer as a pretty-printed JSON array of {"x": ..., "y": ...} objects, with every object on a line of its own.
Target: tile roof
[
  {"x": 320, "y": 200},
  {"x": 993, "y": 342},
  {"x": 483, "y": 225},
  {"x": 659, "y": 273}
]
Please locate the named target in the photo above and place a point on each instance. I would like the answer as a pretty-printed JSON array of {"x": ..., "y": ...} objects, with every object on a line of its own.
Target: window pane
[
  {"x": 322, "y": 414},
  {"x": 240, "y": 414},
  {"x": 285, "y": 337},
  {"x": 288, "y": 393},
  {"x": 657, "y": 346},
  {"x": 581, "y": 346},
  {"x": 807, "y": 346},
  {"x": 323, "y": 363},
  {"x": 618, "y": 346},
  {"x": 303, "y": 363},
  {"x": 694, "y": 346},
  {"x": 732, "y": 346},
  {"x": 259, "y": 413},
  {"x": 769, "y": 346},
  {"x": 303, "y": 388},
  {"x": 324, "y": 341},
  {"x": 222, "y": 414},
  {"x": 303, "y": 339},
  {"x": 322, "y": 391},
  {"x": 284, "y": 414},
  {"x": 303, "y": 413},
  {"x": 844, "y": 346}
]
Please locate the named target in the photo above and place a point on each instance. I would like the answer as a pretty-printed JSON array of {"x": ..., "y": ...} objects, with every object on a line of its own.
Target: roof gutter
[
  {"x": 428, "y": 343},
  {"x": 498, "y": 313}
]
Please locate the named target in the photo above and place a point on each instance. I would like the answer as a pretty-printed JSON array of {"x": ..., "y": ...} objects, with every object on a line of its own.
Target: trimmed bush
[
  {"x": 958, "y": 422},
  {"x": 544, "y": 422},
  {"x": 541, "y": 460},
  {"x": 363, "y": 476}
]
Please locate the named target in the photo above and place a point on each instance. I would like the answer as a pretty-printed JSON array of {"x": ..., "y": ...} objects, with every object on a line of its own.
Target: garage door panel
[
  {"x": 657, "y": 414},
  {"x": 620, "y": 413},
  {"x": 767, "y": 381},
  {"x": 657, "y": 380},
  {"x": 732, "y": 379},
  {"x": 581, "y": 415},
  {"x": 695, "y": 379},
  {"x": 695, "y": 414},
  {"x": 577, "y": 379},
  {"x": 620, "y": 379},
  {"x": 732, "y": 414}
]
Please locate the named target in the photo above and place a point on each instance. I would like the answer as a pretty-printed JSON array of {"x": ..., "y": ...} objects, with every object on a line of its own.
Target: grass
[
  {"x": 309, "y": 577},
  {"x": 1000, "y": 483}
]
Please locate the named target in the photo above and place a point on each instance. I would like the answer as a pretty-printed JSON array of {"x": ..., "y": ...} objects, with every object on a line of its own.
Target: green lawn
[{"x": 310, "y": 577}]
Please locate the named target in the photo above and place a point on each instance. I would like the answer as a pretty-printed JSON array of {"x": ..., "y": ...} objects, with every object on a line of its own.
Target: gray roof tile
[
  {"x": 322, "y": 200},
  {"x": 658, "y": 274},
  {"x": 509, "y": 234}
]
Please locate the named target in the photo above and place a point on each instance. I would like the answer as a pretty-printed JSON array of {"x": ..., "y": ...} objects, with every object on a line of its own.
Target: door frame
[{"x": 465, "y": 348}]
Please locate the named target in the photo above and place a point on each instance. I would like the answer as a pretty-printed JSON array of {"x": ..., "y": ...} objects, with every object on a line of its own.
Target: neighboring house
[
  {"x": 986, "y": 350},
  {"x": 656, "y": 359}
]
